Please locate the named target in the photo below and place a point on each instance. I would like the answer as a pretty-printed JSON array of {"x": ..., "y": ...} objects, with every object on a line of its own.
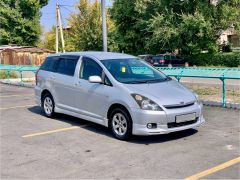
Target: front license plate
[{"x": 185, "y": 117}]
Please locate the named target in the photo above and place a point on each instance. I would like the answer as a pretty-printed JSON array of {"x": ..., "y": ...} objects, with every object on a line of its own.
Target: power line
[
  {"x": 66, "y": 5},
  {"x": 67, "y": 9}
]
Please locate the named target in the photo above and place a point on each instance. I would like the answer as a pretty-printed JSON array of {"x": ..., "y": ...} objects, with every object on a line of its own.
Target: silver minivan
[{"x": 118, "y": 91}]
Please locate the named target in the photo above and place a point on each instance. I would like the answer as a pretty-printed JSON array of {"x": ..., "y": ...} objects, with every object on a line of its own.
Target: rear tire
[
  {"x": 48, "y": 105},
  {"x": 120, "y": 124}
]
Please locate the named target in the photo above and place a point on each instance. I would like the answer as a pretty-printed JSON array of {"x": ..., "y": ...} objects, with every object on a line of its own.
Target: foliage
[
  {"x": 5, "y": 74},
  {"x": 20, "y": 21},
  {"x": 190, "y": 26},
  {"x": 86, "y": 27},
  {"x": 49, "y": 41},
  {"x": 130, "y": 32},
  {"x": 85, "y": 31},
  {"x": 218, "y": 59}
]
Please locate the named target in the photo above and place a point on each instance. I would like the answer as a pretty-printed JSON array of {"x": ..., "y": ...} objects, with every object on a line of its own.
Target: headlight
[
  {"x": 145, "y": 103},
  {"x": 197, "y": 98}
]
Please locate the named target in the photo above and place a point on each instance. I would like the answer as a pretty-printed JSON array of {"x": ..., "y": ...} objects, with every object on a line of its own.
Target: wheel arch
[
  {"x": 115, "y": 106},
  {"x": 45, "y": 91}
]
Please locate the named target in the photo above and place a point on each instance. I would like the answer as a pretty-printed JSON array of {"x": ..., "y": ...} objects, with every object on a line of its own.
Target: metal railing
[
  {"x": 18, "y": 68},
  {"x": 177, "y": 72},
  {"x": 215, "y": 73}
]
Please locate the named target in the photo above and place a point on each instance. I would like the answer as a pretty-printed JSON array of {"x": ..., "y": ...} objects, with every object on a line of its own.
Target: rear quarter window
[{"x": 50, "y": 63}]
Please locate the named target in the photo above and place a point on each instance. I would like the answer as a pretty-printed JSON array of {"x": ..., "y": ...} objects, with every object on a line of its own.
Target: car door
[
  {"x": 64, "y": 86},
  {"x": 91, "y": 98}
]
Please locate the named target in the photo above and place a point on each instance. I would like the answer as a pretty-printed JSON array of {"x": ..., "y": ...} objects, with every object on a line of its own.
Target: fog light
[{"x": 151, "y": 125}]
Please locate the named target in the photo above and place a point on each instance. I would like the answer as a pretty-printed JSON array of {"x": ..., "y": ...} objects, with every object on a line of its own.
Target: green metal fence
[
  {"x": 216, "y": 73},
  {"x": 19, "y": 69},
  {"x": 177, "y": 72}
]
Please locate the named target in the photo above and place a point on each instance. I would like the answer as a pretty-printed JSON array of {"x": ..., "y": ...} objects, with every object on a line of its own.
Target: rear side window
[
  {"x": 168, "y": 57},
  {"x": 67, "y": 66},
  {"x": 50, "y": 63}
]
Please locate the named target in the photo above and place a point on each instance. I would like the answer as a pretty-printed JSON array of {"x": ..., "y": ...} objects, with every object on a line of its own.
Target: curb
[
  {"x": 28, "y": 85},
  {"x": 219, "y": 104}
]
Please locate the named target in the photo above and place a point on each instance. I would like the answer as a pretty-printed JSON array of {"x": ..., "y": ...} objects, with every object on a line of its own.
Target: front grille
[
  {"x": 178, "y": 106},
  {"x": 174, "y": 124}
]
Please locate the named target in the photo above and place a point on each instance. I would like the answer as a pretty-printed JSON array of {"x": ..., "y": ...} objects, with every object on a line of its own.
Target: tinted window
[
  {"x": 133, "y": 71},
  {"x": 50, "y": 63},
  {"x": 157, "y": 57},
  {"x": 89, "y": 68},
  {"x": 67, "y": 66},
  {"x": 168, "y": 57}
]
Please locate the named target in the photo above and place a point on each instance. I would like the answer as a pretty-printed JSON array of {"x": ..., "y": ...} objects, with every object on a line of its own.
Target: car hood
[{"x": 164, "y": 93}]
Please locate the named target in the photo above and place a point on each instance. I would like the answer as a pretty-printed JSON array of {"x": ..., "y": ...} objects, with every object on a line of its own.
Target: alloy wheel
[{"x": 119, "y": 124}]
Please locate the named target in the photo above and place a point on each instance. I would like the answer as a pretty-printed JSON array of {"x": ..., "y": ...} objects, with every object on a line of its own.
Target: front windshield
[{"x": 133, "y": 71}]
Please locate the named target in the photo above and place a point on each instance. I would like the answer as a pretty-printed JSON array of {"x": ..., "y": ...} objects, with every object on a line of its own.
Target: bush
[
  {"x": 4, "y": 74},
  {"x": 220, "y": 59}
]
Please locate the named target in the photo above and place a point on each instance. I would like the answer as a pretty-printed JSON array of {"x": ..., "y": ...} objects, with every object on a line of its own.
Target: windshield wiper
[
  {"x": 135, "y": 82},
  {"x": 155, "y": 80},
  {"x": 146, "y": 81}
]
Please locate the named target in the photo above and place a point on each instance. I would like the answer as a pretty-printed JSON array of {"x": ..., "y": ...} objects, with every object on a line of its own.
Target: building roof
[
  {"x": 99, "y": 54},
  {"x": 31, "y": 49}
]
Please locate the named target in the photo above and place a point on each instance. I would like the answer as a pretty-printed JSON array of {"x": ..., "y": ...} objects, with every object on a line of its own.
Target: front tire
[
  {"x": 121, "y": 124},
  {"x": 48, "y": 105}
]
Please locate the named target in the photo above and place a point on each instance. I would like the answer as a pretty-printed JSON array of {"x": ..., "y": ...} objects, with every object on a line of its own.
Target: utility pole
[
  {"x": 56, "y": 29},
  {"x": 104, "y": 25},
  {"x": 59, "y": 21}
]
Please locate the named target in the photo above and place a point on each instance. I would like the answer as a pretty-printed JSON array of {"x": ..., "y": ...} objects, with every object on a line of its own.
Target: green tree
[
  {"x": 163, "y": 25},
  {"x": 130, "y": 34},
  {"x": 49, "y": 40},
  {"x": 86, "y": 27},
  {"x": 20, "y": 21}
]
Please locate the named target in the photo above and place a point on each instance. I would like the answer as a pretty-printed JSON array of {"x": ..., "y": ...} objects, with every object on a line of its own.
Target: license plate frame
[{"x": 185, "y": 117}]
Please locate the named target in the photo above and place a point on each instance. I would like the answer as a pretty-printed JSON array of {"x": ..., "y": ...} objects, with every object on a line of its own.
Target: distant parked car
[{"x": 168, "y": 60}]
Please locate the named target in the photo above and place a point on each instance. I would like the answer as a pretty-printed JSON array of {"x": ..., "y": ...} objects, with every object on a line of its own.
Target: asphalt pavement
[{"x": 33, "y": 146}]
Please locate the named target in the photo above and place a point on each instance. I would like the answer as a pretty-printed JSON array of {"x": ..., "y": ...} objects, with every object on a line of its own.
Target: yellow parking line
[
  {"x": 16, "y": 95},
  {"x": 214, "y": 169},
  {"x": 52, "y": 131},
  {"x": 15, "y": 107}
]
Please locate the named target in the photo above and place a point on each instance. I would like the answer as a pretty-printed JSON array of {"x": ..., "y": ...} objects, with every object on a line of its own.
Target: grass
[
  {"x": 215, "y": 93},
  {"x": 4, "y": 74}
]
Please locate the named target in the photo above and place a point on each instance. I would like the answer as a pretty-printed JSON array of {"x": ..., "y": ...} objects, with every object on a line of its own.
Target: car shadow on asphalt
[{"x": 98, "y": 129}]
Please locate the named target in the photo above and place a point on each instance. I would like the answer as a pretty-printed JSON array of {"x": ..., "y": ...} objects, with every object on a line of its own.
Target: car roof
[{"x": 100, "y": 55}]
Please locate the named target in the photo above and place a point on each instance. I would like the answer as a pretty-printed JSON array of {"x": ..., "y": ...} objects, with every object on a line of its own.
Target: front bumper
[{"x": 164, "y": 119}]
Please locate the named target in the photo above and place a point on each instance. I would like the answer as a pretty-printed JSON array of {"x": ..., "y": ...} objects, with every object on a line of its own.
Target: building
[
  {"x": 22, "y": 55},
  {"x": 229, "y": 36}
]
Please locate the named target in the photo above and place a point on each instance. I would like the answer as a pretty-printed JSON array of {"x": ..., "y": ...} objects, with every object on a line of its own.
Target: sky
[{"x": 48, "y": 18}]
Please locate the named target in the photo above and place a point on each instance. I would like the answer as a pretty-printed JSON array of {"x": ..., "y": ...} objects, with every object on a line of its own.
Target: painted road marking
[
  {"x": 214, "y": 169},
  {"x": 15, "y": 107},
  {"x": 17, "y": 95},
  {"x": 53, "y": 131}
]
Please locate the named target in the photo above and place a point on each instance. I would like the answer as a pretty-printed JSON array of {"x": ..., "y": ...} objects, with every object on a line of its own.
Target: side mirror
[{"x": 95, "y": 79}]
